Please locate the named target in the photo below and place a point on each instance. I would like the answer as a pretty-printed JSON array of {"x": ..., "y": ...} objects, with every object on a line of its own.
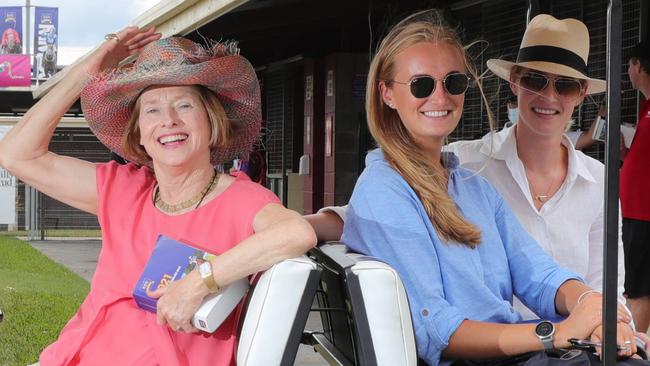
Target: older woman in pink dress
[{"x": 175, "y": 114}]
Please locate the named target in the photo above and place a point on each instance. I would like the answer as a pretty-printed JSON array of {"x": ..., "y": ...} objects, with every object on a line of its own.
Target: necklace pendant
[{"x": 541, "y": 197}]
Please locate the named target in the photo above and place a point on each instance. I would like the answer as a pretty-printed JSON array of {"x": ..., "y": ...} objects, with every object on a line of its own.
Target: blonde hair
[
  {"x": 221, "y": 130},
  {"x": 427, "y": 178}
]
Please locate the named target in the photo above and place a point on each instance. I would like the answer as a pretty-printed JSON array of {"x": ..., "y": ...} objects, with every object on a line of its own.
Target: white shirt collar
[{"x": 502, "y": 145}]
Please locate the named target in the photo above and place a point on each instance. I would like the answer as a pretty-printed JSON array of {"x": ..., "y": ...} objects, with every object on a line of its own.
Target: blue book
[{"x": 170, "y": 260}]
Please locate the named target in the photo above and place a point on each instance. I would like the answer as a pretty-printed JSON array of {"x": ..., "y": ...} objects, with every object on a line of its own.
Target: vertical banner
[
  {"x": 15, "y": 70},
  {"x": 11, "y": 30},
  {"x": 7, "y": 191},
  {"x": 46, "y": 28}
]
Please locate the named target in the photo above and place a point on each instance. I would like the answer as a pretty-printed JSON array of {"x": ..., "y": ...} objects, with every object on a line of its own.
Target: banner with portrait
[
  {"x": 46, "y": 43},
  {"x": 7, "y": 191},
  {"x": 11, "y": 30},
  {"x": 15, "y": 70}
]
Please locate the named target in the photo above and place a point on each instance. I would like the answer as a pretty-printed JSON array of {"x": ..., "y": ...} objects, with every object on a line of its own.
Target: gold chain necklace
[
  {"x": 194, "y": 201},
  {"x": 544, "y": 197}
]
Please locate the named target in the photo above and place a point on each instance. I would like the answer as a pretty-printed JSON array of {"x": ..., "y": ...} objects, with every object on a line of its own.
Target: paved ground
[{"x": 80, "y": 256}]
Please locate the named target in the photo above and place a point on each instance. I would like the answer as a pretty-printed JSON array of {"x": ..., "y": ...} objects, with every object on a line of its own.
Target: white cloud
[{"x": 68, "y": 55}]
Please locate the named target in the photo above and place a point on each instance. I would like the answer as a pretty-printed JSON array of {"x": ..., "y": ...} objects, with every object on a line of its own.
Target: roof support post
[{"x": 612, "y": 164}]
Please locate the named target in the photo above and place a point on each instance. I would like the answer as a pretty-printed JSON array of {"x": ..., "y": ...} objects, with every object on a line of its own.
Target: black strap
[
  {"x": 501, "y": 361},
  {"x": 552, "y": 54}
]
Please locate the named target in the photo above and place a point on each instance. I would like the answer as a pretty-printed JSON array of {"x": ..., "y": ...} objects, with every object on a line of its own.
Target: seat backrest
[
  {"x": 371, "y": 321},
  {"x": 276, "y": 312}
]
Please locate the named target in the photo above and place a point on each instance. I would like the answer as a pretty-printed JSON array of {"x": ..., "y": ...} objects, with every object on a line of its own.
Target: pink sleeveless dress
[{"x": 109, "y": 328}]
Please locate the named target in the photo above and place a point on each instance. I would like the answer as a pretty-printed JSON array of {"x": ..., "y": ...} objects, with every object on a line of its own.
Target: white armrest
[
  {"x": 276, "y": 314},
  {"x": 385, "y": 305},
  {"x": 387, "y": 309}
]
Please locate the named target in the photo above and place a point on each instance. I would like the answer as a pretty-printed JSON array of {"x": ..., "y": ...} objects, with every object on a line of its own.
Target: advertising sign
[
  {"x": 7, "y": 191},
  {"x": 15, "y": 70},
  {"x": 46, "y": 23},
  {"x": 11, "y": 29}
]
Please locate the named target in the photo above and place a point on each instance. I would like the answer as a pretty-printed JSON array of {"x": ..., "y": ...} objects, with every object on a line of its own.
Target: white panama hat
[{"x": 554, "y": 46}]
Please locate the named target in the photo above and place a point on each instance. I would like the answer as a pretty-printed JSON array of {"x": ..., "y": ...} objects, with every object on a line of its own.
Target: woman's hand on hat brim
[{"x": 129, "y": 41}]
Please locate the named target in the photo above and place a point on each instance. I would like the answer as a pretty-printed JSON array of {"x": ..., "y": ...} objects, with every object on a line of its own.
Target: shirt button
[{"x": 425, "y": 312}]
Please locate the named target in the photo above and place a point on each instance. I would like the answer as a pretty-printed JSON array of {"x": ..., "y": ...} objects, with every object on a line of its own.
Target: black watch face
[{"x": 544, "y": 329}]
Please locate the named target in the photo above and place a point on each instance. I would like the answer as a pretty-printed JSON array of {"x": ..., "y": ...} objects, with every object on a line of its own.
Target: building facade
[{"x": 312, "y": 59}]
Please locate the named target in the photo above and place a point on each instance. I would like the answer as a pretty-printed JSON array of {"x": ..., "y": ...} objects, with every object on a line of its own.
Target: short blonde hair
[{"x": 221, "y": 130}]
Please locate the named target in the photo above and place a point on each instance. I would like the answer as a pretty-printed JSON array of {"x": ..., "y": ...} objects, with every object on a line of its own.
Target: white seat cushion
[
  {"x": 272, "y": 312},
  {"x": 386, "y": 307}
]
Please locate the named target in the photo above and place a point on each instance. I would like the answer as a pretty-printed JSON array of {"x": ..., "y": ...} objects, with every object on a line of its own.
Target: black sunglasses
[
  {"x": 536, "y": 82},
  {"x": 455, "y": 83}
]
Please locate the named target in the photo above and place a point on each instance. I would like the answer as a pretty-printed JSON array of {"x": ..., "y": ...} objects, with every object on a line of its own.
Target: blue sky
[{"x": 83, "y": 23}]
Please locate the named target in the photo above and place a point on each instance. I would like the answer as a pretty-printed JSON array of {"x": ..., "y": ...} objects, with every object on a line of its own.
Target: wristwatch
[
  {"x": 545, "y": 331},
  {"x": 205, "y": 270}
]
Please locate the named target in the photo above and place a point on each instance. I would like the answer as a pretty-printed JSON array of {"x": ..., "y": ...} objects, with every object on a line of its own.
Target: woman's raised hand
[{"x": 117, "y": 47}]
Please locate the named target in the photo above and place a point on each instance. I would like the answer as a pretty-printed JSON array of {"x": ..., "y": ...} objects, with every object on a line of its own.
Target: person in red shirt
[{"x": 635, "y": 197}]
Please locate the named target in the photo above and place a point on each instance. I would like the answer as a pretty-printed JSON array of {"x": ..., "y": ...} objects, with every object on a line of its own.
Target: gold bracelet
[{"x": 205, "y": 271}]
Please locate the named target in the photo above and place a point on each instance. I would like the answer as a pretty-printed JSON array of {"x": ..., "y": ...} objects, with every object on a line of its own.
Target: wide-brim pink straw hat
[
  {"x": 556, "y": 46},
  {"x": 108, "y": 99}
]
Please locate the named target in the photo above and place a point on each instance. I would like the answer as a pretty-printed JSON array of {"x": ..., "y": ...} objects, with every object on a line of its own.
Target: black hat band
[{"x": 552, "y": 54}]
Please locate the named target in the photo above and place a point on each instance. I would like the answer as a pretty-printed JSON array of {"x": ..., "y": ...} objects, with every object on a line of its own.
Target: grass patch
[
  {"x": 71, "y": 233},
  {"x": 37, "y": 296}
]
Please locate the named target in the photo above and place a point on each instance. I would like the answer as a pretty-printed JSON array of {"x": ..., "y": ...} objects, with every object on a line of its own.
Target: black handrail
[{"x": 612, "y": 165}]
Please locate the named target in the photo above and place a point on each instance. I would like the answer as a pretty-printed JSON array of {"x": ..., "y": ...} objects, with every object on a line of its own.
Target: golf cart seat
[
  {"x": 364, "y": 311},
  {"x": 276, "y": 312}
]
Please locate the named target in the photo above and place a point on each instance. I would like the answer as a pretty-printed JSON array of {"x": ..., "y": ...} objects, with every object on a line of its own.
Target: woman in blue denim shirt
[{"x": 459, "y": 250}]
